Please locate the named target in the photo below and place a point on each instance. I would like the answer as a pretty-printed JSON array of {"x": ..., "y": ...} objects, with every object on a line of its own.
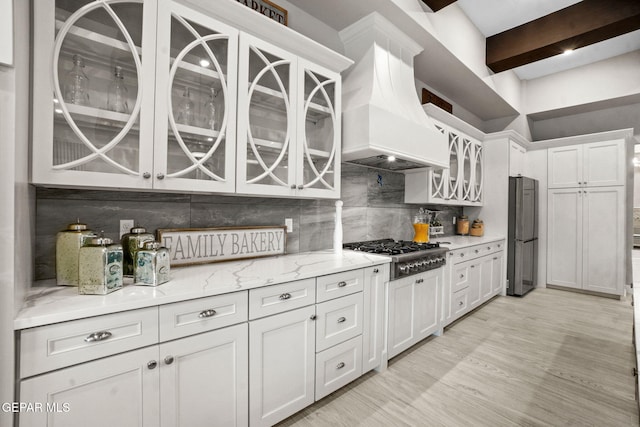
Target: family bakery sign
[
  {"x": 268, "y": 9},
  {"x": 188, "y": 246}
]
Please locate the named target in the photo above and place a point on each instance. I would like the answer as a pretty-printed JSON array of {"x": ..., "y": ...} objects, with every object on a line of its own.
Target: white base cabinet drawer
[
  {"x": 280, "y": 298},
  {"x": 56, "y": 346},
  {"x": 338, "y": 366},
  {"x": 340, "y": 284},
  {"x": 459, "y": 303},
  {"x": 338, "y": 320},
  {"x": 201, "y": 315}
]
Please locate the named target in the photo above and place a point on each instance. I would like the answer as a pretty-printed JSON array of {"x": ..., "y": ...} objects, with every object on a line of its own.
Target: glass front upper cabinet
[
  {"x": 195, "y": 107},
  {"x": 91, "y": 123}
]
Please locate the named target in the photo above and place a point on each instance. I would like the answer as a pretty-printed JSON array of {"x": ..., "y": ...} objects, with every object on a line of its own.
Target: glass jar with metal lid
[
  {"x": 131, "y": 243},
  {"x": 68, "y": 244},
  {"x": 151, "y": 265},
  {"x": 100, "y": 267}
]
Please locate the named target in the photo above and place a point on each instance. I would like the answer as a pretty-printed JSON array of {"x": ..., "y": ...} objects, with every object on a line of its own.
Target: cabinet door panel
[
  {"x": 474, "y": 292},
  {"x": 497, "y": 276},
  {"x": 486, "y": 277},
  {"x": 281, "y": 365},
  {"x": 401, "y": 316},
  {"x": 206, "y": 381},
  {"x": 196, "y": 108},
  {"x": 374, "y": 324},
  {"x": 564, "y": 238},
  {"x": 604, "y": 164},
  {"x": 565, "y": 166},
  {"x": 427, "y": 303},
  {"x": 318, "y": 130},
  {"x": 116, "y": 391},
  {"x": 603, "y": 249},
  {"x": 267, "y": 105},
  {"x": 92, "y": 124}
]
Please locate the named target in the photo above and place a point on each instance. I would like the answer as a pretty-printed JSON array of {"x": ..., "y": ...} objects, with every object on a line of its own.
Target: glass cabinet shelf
[
  {"x": 91, "y": 116},
  {"x": 89, "y": 42},
  {"x": 277, "y": 147},
  {"x": 263, "y": 97}
]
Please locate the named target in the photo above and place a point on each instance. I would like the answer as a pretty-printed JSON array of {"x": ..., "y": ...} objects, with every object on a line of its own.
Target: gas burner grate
[{"x": 390, "y": 246}]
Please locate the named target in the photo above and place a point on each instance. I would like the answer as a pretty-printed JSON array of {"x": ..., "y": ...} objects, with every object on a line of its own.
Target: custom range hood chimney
[{"x": 382, "y": 115}]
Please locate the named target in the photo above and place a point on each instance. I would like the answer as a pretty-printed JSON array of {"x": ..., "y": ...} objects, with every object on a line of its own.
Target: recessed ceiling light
[
  {"x": 55, "y": 100},
  {"x": 58, "y": 110},
  {"x": 204, "y": 63},
  {"x": 391, "y": 158},
  {"x": 567, "y": 52}
]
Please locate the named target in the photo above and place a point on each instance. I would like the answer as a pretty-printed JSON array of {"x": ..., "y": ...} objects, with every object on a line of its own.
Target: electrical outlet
[
  {"x": 125, "y": 226},
  {"x": 289, "y": 223}
]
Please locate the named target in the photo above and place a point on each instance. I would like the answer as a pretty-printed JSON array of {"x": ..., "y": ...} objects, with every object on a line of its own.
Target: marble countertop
[
  {"x": 458, "y": 242},
  {"x": 51, "y": 304}
]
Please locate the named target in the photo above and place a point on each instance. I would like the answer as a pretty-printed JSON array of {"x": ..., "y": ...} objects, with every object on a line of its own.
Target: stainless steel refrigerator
[{"x": 522, "y": 262}]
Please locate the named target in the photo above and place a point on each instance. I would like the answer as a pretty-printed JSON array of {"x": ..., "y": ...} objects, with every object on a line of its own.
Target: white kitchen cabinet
[
  {"x": 289, "y": 124},
  {"x": 374, "y": 325},
  {"x": 281, "y": 365},
  {"x": 580, "y": 254},
  {"x": 516, "y": 159},
  {"x": 204, "y": 379},
  {"x": 119, "y": 390},
  {"x": 473, "y": 276},
  {"x": 461, "y": 184},
  {"x": 594, "y": 164},
  {"x": 80, "y": 139},
  {"x": 175, "y": 127},
  {"x": 414, "y": 309}
]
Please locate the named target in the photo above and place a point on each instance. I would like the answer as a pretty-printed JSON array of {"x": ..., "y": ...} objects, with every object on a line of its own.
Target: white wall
[{"x": 612, "y": 78}]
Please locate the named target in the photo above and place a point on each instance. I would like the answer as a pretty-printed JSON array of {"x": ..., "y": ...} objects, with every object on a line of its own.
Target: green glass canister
[
  {"x": 131, "y": 243},
  {"x": 68, "y": 244},
  {"x": 151, "y": 265},
  {"x": 100, "y": 267}
]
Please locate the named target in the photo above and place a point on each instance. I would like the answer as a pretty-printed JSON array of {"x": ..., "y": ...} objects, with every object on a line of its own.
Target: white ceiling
[{"x": 495, "y": 16}]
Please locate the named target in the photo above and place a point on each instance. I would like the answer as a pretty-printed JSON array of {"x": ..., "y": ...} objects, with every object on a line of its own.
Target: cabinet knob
[
  {"x": 635, "y": 372},
  {"x": 340, "y": 365},
  {"x": 98, "y": 336},
  {"x": 495, "y": 258},
  {"x": 462, "y": 276},
  {"x": 152, "y": 364},
  {"x": 460, "y": 303},
  {"x": 160, "y": 176},
  {"x": 488, "y": 248},
  {"x": 146, "y": 175},
  {"x": 313, "y": 317},
  {"x": 293, "y": 186},
  {"x": 300, "y": 187},
  {"x": 342, "y": 319},
  {"x": 473, "y": 266},
  {"x": 462, "y": 254},
  {"x": 168, "y": 360},
  {"x": 285, "y": 296},
  {"x": 207, "y": 313},
  {"x": 477, "y": 250},
  {"x": 376, "y": 271},
  {"x": 342, "y": 284},
  {"x": 579, "y": 183}
]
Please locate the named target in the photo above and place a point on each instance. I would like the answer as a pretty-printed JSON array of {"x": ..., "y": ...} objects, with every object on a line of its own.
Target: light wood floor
[{"x": 552, "y": 358}]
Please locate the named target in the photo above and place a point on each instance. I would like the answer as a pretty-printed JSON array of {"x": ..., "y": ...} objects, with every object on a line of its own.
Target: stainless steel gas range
[{"x": 407, "y": 257}]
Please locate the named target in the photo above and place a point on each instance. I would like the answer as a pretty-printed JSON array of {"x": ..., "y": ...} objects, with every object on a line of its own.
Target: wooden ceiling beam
[
  {"x": 579, "y": 25},
  {"x": 436, "y": 5}
]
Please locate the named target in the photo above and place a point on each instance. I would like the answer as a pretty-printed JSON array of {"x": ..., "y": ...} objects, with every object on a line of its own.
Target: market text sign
[
  {"x": 188, "y": 246},
  {"x": 268, "y": 9}
]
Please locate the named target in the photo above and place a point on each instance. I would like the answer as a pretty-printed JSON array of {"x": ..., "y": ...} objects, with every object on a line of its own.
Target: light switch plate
[
  {"x": 125, "y": 226},
  {"x": 289, "y": 223}
]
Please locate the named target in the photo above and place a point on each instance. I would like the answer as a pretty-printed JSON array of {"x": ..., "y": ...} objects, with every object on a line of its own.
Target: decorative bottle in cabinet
[{"x": 68, "y": 244}]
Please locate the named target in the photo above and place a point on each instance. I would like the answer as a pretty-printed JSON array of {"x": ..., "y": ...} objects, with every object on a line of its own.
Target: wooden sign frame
[
  {"x": 191, "y": 246},
  {"x": 268, "y": 9}
]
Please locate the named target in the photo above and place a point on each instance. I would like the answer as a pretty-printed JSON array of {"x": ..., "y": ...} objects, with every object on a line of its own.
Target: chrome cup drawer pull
[
  {"x": 98, "y": 336},
  {"x": 207, "y": 313},
  {"x": 340, "y": 365},
  {"x": 285, "y": 296},
  {"x": 342, "y": 319},
  {"x": 342, "y": 284}
]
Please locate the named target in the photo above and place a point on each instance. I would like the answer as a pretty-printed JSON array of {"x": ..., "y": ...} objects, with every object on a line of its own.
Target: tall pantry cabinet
[{"x": 587, "y": 216}]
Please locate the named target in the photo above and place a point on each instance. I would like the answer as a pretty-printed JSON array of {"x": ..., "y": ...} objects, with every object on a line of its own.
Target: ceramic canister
[
  {"x": 151, "y": 265},
  {"x": 131, "y": 243}
]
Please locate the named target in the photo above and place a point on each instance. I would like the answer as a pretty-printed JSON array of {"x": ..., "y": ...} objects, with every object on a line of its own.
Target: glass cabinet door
[
  {"x": 266, "y": 119},
  {"x": 91, "y": 125},
  {"x": 466, "y": 169},
  {"x": 318, "y": 131},
  {"x": 454, "y": 166},
  {"x": 195, "y": 102},
  {"x": 478, "y": 174},
  {"x": 439, "y": 177}
]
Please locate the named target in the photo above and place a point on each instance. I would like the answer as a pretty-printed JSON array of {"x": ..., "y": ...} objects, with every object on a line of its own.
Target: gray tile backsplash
[{"x": 373, "y": 209}]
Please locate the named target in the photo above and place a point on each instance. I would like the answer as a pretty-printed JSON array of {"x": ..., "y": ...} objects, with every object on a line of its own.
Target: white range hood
[{"x": 381, "y": 114}]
